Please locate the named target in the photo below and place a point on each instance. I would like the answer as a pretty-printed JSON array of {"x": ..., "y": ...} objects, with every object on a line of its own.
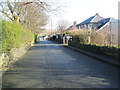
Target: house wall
[{"x": 109, "y": 35}]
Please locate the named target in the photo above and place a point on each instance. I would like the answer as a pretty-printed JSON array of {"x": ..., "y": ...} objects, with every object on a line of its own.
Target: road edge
[{"x": 98, "y": 57}]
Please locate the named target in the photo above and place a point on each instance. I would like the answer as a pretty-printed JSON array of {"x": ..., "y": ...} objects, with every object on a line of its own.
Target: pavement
[
  {"x": 50, "y": 65},
  {"x": 99, "y": 57}
]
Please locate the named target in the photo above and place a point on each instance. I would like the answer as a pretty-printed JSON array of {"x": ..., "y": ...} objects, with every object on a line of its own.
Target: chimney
[
  {"x": 74, "y": 23},
  {"x": 97, "y": 14}
]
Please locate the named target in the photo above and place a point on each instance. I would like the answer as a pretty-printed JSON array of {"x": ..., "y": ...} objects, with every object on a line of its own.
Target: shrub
[
  {"x": 0, "y": 39},
  {"x": 14, "y": 35},
  {"x": 35, "y": 38},
  {"x": 105, "y": 50}
]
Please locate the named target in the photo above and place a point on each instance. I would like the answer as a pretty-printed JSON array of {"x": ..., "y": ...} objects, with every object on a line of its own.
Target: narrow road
[{"x": 50, "y": 65}]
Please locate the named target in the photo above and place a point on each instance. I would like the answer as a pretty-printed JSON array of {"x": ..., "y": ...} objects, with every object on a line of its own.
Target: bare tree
[
  {"x": 13, "y": 10},
  {"x": 32, "y": 13},
  {"x": 34, "y": 18},
  {"x": 62, "y": 25}
]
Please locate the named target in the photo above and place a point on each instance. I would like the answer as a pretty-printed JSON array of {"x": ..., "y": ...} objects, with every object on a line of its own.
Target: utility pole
[{"x": 51, "y": 27}]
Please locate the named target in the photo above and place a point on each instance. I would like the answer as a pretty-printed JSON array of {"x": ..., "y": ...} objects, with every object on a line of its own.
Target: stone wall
[{"x": 6, "y": 59}]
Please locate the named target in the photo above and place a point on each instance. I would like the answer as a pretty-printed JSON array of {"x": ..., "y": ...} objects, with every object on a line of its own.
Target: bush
[
  {"x": 35, "y": 38},
  {"x": 14, "y": 35},
  {"x": 105, "y": 50}
]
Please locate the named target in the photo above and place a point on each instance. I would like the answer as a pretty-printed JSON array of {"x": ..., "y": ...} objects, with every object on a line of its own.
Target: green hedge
[
  {"x": 35, "y": 38},
  {"x": 14, "y": 35},
  {"x": 105, "y": 50}
]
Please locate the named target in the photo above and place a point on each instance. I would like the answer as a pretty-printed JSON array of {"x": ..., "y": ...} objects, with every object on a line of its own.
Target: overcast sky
[{"x": 79, "y": 10}]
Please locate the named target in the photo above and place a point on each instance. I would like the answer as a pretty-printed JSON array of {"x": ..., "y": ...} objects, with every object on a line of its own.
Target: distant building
[
  {"x": 95, "y": 22},
  {"x": 72, "y": 27},
  {"x": 108, "y": 27}
]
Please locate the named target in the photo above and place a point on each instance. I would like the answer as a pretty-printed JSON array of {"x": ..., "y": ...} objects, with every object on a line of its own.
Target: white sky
[{"x": 79, "y": 10}]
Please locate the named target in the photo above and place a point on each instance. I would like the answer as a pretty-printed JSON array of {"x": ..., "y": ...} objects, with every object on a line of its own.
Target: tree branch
[
  {"x": 7, "y": 15},
  {"x": 11, "y": 9}
]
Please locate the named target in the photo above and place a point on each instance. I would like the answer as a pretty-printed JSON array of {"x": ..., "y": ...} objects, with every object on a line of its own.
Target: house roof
[
  {"x": 99, "y": 21},
  {"x": 106, "y": 20},
  {"x": 113, "y": 24},
  {"x": 94, "y": 18},
  {"x": 86, "y": 21},
  {"x": 71, "y": 27},
  {"x": 97, "y": 18},
  {"x": 102, "y": 22}
]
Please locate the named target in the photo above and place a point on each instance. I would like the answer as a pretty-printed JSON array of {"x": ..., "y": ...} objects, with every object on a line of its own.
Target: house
[
  {"x": 111, "y": 22},
  {"x": 72, "y": 27},
  {"x": 95, "y": 22},
  {"x": 106, "y": 27},
  {"x": 90, "y": 23}
]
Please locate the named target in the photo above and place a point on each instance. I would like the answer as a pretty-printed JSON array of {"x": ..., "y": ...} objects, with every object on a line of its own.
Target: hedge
[
  {"x": 14, "y": 35},
  {"x": 35, "y": 38},
  {"x": 105, "y": 50}
]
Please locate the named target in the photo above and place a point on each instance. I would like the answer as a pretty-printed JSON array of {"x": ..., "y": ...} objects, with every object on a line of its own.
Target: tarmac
[{"x": 99, "y": 57}]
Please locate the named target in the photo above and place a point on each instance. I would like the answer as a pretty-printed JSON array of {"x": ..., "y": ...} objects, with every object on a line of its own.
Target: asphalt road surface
[{"x": 50, "y": 65}]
